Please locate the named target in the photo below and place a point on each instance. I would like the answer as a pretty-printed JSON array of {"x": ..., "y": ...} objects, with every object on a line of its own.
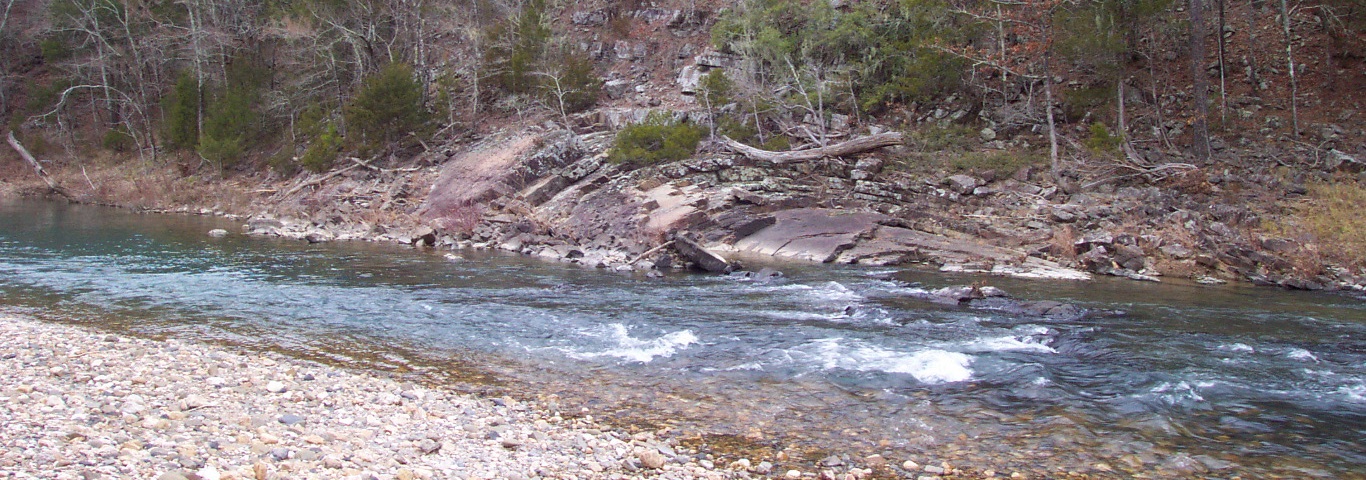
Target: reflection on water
[{"x": 1192, "y": 381}]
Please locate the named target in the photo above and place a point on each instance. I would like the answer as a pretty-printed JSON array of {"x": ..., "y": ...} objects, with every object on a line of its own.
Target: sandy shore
[{"x": 81, "y": 404}]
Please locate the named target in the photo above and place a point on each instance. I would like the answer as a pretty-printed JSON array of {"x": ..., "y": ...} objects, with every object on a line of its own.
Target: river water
[{"x": 1190, "y": 381}]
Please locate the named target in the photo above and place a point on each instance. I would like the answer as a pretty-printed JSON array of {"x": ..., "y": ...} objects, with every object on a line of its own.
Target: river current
[{"x": 1189, "y": 381}]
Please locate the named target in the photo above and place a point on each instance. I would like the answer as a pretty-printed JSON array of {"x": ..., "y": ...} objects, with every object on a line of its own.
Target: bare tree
[
  {"x": 557, "y": 89},
  {"x": 1286, "y": 13},
  {"x": 1199, "y": 83}
]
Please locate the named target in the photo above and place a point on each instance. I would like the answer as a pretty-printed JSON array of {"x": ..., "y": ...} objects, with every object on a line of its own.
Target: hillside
[{"x": 1059, "y": 132}]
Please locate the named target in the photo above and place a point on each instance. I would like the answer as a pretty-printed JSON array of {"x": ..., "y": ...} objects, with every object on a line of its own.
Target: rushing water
[{"x": 1191, "y": 381}]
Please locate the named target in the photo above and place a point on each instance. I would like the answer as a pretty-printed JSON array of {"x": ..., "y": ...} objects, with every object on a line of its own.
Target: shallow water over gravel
[{"x": 1193, "y": 381}]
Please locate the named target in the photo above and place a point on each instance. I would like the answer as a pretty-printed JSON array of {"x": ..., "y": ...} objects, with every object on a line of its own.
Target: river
[{"x": 1189, "y": 381}]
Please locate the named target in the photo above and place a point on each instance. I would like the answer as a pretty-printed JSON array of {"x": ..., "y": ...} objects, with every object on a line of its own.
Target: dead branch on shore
[
  {"x": 38, "y": 168},
  {"x": 650, "y": 251},
  {"x": 317, "y": 179},
  {"x": 843, "y": 149}
]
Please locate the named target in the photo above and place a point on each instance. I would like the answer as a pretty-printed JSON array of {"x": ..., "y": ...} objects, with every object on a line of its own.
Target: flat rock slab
[
  {"x": 889, "y": 242},
  {"x": 825, "y": 235},
  {"x": 813, "y": 234}
]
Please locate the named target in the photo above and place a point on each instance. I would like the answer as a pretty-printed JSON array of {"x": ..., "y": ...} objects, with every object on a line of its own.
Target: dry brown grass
[
  {"x": 1064, "y": 242},
  {"x": 1335, "y": 216},
  {"x": 132, "y": 185}
]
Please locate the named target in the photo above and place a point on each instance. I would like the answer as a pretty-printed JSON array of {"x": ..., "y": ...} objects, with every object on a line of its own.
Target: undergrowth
[
  {"x": 1333, "y": 215},
  {"x": 659, "y": 139}
]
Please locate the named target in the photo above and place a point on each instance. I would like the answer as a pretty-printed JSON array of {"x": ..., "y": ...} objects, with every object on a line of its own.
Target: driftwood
[
  {"x": 650, "y": 251},
  {"x": 316, "y": 180},
  {"x": 38, "y": 167},
  {"x": 843, "y": 149}
]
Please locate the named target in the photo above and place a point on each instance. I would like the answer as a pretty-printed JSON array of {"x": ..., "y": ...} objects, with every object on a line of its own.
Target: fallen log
[
  {"x": 38, "y": 167},
  {"x": 650, "y": 251},
  {"x": 318, "y": 180},
  {"x": 842, "y": 149}
]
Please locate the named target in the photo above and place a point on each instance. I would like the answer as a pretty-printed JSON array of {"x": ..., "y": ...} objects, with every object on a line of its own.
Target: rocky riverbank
[
  {"x": 80, "y": 404},
  {"x": 551, "y": 193}
]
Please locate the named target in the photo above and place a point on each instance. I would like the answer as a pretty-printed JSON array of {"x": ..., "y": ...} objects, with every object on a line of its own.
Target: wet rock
[
  {"x": 1206, "y": 280},
  {"x": 264, "y": 226},
  {"x": 320, "y": 236},
  {"x": 766, "y": 275},
  {"x": 424, "y": 236},
  {"x": 218, "y": 233}
]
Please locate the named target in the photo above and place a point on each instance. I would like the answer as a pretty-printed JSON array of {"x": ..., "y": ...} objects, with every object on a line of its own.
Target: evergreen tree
[{"x": 388, "y": 106}]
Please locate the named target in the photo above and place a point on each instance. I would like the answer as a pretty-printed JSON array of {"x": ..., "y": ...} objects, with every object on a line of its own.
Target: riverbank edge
[
  {"x": 80, "y": 402},
  {"x": 397, "y": 218}
]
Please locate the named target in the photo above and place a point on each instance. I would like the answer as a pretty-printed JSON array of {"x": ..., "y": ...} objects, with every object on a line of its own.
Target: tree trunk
[
  {"x": 1199, "y": 82},
  {"x": 1223, "y": 80},
  {"x": 1290, "y": 61},
  {"x": 38, "y": 167},
  {"x": 857, "y": 145},
  {"x": 1055, "y": 166},
  {"x": 1252, "y": 59}
]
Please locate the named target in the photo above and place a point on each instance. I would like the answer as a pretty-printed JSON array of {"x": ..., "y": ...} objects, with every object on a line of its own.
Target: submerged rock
[{"x": 985, "y": 297}]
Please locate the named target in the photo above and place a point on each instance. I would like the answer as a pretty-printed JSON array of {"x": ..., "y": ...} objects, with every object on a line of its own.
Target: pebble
[
  {"x": 200, "y": 411},
  {"x": 651, "y": 459}
]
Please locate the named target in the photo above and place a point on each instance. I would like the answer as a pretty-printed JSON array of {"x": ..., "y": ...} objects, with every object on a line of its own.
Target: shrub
[
  {"x": 118, "y": 140},
  {"x": 54, "y": 50},
  {"x": 579, "y": 81},
  {"x": 323, "y": 151},
  {"x": 1077, "y": 102},
  {"x": 658, "y": 139},
  {"x": 1101, "y": 140},
  {"x": 1003, "y": 162},
  {"x": 937, "y": 137},
  {"x": 282, "y": 162},
  {"x": 388, "y": 105},
  {"x": 745, "y": 133}
]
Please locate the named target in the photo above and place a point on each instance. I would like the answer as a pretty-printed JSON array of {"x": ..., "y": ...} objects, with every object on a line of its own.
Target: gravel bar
[{"x": 76, "y": 403}]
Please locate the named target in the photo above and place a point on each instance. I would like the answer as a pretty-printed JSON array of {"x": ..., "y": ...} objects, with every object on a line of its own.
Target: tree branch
[
  {"x": 843, "y": 149},
  {"x": 38, "y": 167}
]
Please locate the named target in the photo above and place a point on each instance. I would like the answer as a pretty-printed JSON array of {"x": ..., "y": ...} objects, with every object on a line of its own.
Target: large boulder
[{"x": 700, "y": 256}]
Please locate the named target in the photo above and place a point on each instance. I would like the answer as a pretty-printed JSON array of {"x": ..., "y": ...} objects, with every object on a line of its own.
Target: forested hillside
[{"x": 1201, "y": 97}]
